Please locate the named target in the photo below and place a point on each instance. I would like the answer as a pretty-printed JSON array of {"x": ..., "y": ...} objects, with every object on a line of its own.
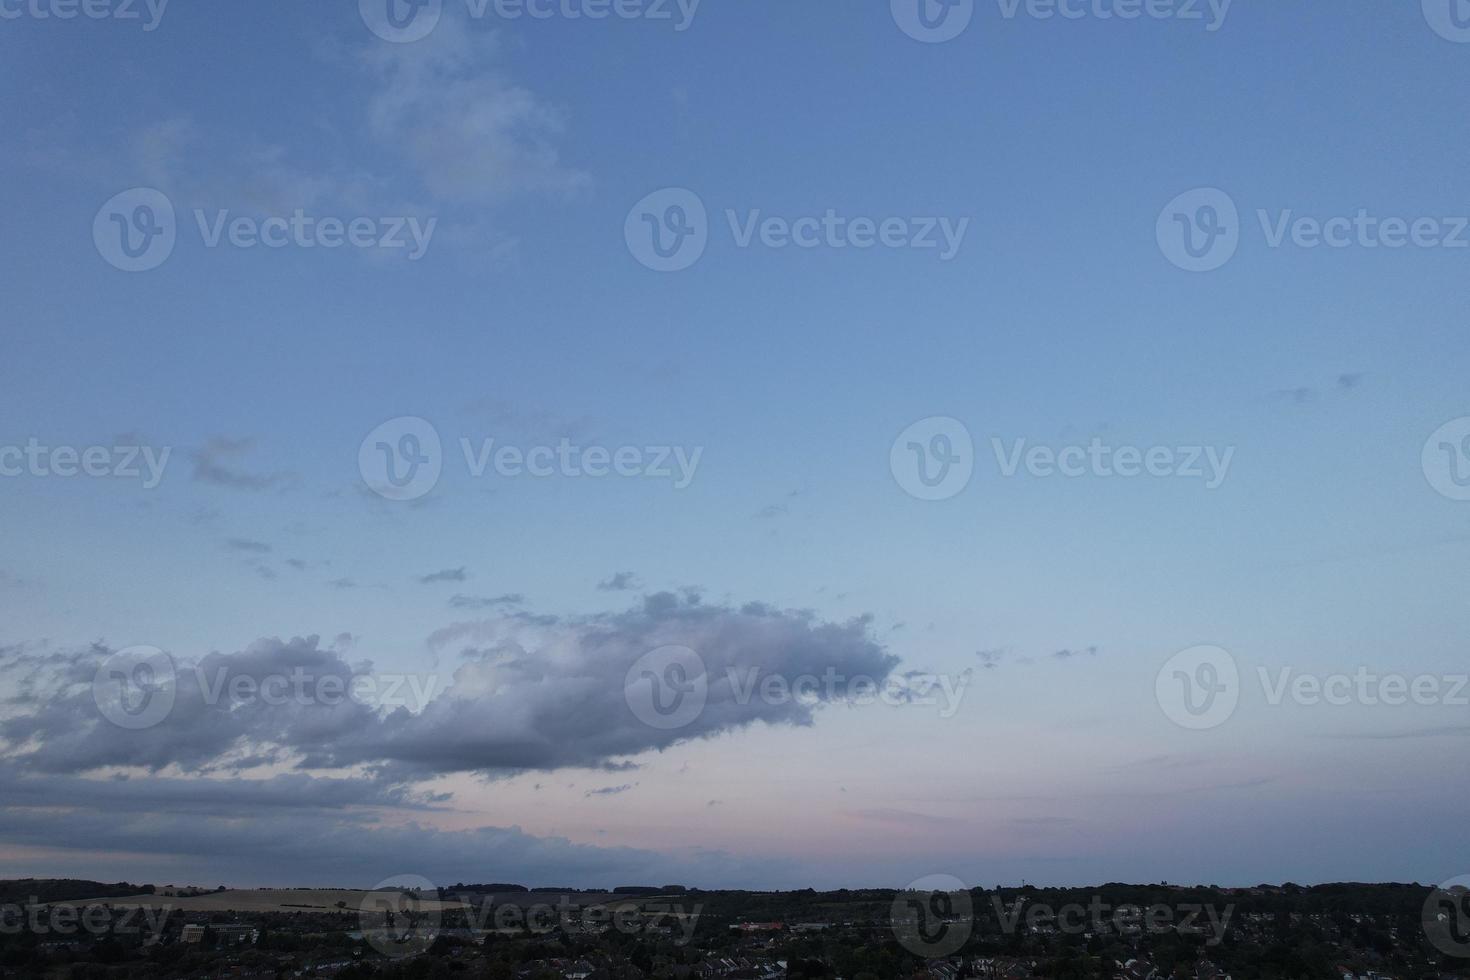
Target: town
[{"x": 83, "y": 929}]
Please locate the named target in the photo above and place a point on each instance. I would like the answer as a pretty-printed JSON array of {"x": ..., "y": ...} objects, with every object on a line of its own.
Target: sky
[{"x": 1092, "y": 385}]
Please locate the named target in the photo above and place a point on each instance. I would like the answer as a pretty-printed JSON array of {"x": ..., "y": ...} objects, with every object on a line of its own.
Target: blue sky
[{"x": 528, "y": 320}]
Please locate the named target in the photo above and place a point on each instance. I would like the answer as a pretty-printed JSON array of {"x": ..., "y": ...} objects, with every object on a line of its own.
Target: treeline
[{"x": 20, "y": 891}]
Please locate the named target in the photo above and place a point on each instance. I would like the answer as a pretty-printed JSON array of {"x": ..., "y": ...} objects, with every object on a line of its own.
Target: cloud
[
  {"x": 537, "y": 424},
  {"x": 771, "y": 512},
  {"x": 1073, "y": 654},
  {"x": 446, "y": 575},
  {"x": 342, "y": 583},
  {"x": 620, "y": 582},
  {"x": 296, "y": 830},
  {"x": 486, "y": 602},
  {"x": 246, "y": 544},
  {"x": 610, "y": 790},
  {"x": 211, "y": 466},
  {"x": 473, "y": 136},
  {"x": 1297, "y": 396},
  {"x": 532, "y": 693}
]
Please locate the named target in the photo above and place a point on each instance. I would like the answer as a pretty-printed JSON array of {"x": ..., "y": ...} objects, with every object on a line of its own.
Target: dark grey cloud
[
  {"x": 486, "y": 602},
  {"x": 610, "y": 790},
  {"x": 446, "y": 575},
  {"x": 619, "y": 582},
  {"x": 530, "y": 693},
  {"x": 300, "y": 830}
]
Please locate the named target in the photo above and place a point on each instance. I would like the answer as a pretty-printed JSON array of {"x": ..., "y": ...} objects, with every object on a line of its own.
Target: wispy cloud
[
  {"x": 214, "y": 464},
  {"x": 486, "y": 602},
  {"x": 459, "y": 574}
]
